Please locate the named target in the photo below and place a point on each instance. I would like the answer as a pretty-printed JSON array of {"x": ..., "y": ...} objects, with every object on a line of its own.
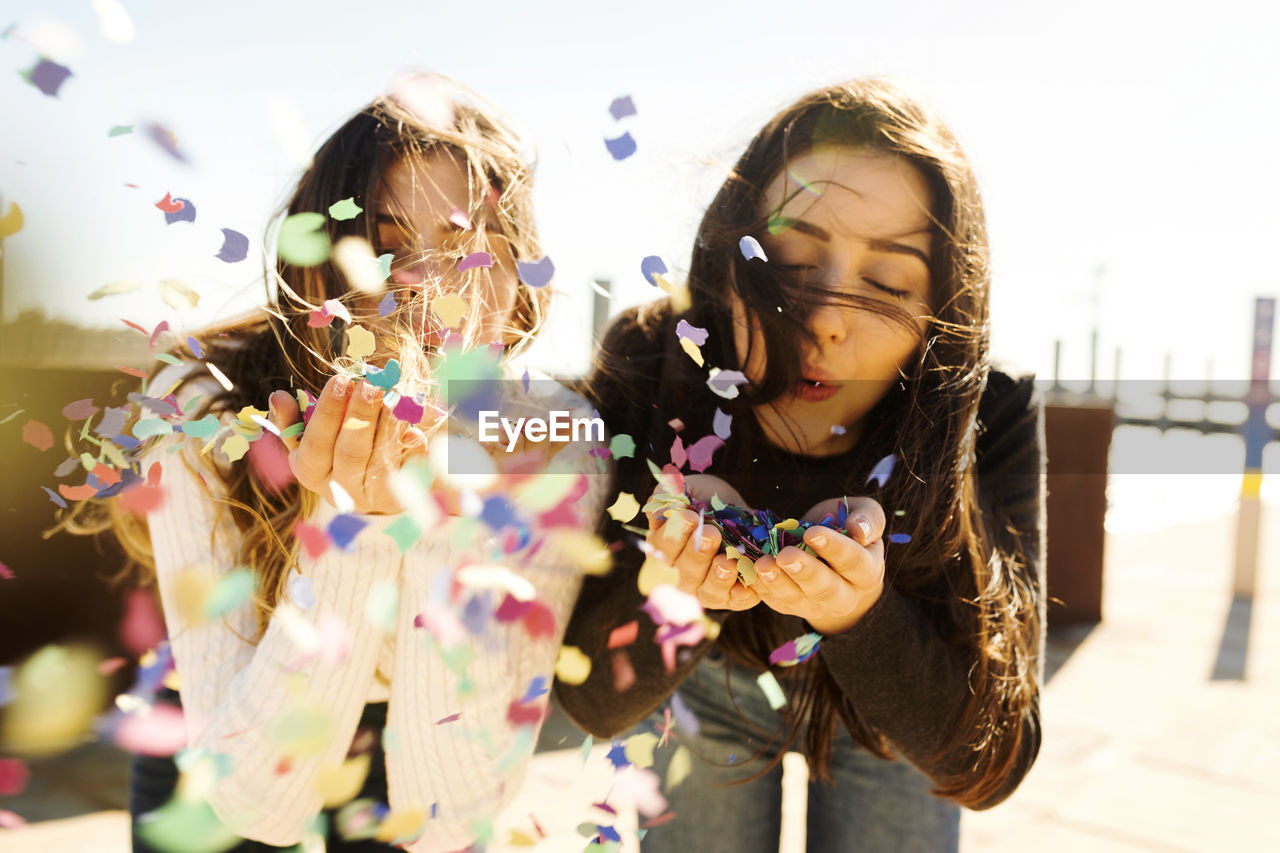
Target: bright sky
[{"x": 1125, "y": 151}]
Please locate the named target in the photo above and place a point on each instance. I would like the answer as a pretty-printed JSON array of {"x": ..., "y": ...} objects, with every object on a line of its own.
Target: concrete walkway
[{"x": 1162, "y": 730}]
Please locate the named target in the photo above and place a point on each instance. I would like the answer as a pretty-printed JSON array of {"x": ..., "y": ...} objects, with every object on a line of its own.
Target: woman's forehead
[{"x": 427, "y": 186}]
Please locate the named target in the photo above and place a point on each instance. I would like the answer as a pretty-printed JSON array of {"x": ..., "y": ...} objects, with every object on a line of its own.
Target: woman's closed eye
[
  {"x": 874, "y": 283},
  {"x": 884, "y": 288}
]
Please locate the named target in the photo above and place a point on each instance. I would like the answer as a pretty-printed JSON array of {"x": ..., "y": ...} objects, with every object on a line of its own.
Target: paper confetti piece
[
  {"x": 119, "y": 130},
  {"x": 114, "y": 288},
  {"x": 450, "y": 308},
  {"x": 624, "y": 635},
  {"x": 301, "y": 241},
  {"x": 178, "y": 295},
  {"x": 691, "y": 350},
  {"x": 622, "y": 107},
  {"x": 750, "y": 248},
  {"x": 235, "y": 247},
  {"x": 724, "y": 382},
  {"x": 475, "y": 260},
  {"x": 167, "y": 140},
  {"x": 383, "y": 603},
  {"x": 652, "y": 266},
  {"x": 639, "y": 748},
  {"x": 667, "y": 605},
  {"x": 899, "y": 538},
  {"x": 387, "y": 305},
  {"x": 344, "y": 528},
  {"x": 721, "y": 424},
  {"x": 701, "y": 451},
  {"x": 185, "y": 213},
  {"x": 47, "y": 76},
  {"x": 536, "y": 273},
  {"x": 37, "y": 435},
  {"x": 686, "y": 331},
  {"x": 234, "y": 447},
  {"x": 232, "y": 590},
  {"x": 151, "y": 428},
  {"x": 572, "y": 666},
  {"x": 680, "y": 767},
  {"x": 169, "y": 205},
  {"x": 772, "y": 690},
  {"x": 622, "y": 446},
  {"x": 345, "y": 209},
  {"x": 383, "y": 377},
  {"x": 882, "y": 470},
  {"x": 409, "y": 409},
  {"x": 113, "y": 21},
  {"x": 625, "y": 508},
  {"x": 11, "y": 222},
  {"x": 360, "y": 342},
  {"x": 836, "y": 429},
  {"x": 313, "y": 540},
  {"x": 678, "y": 455},
  {"x": 459, "y": 217},
  {"x": 340, "y": 785},
  {"x": 795, "y": 651},
  {"x": 354, "y": 256},
  {"x": 79, "y": 410},
  {"x": 7, "y": 574},
  {"x": 622, "y": 147},
  {"x": 221, "y": 378}
]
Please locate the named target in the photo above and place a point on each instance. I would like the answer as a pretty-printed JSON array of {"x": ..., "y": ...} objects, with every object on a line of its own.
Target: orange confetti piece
[{"x": 37, "y": 435}]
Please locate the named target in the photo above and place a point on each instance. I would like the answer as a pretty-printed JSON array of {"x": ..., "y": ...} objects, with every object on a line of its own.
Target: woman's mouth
[{"x": 815, "y": 390}]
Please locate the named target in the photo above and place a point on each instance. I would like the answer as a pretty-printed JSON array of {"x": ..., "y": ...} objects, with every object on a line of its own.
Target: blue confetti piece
[
  {"x": 187, "y": 213},
  {"x": 383, "y": 377},
  {"x": 235, "y": 246},
  {"x": 686, "y": 720},
  {"x": 387, "y": 305},
  {"x": 750, "y": 248},
  {"x": 194, "y": 346},
  {"x": 622, "y": 107},
  {"x": 651, "y": 266},
  {"x": 537, "y": 687},
  {"x": 344, "y": 529},
  {"x": 622, "y": 147},
  {"x": 498, "y": 513},
  {"x": 478, "y": 612},
  {"x": 536, "y": 273},
  {"x": 608, "y": 833},
  {"x": 6, "y": 688},
  {"x": 721, "y": 424},
  {"x": 882, "y": 471},
  {"x": 618, "y": 755},
  {"x": 55, "y": 497},
  {"x": 899, "y": 538}
]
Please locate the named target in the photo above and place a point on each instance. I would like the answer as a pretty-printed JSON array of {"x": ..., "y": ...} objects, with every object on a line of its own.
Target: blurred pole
[
  {"x": 1093, "y": 362},
  {"x": 1256, "y": 434},
  {"x": 602, "y": 302},
  {"x": 1057, "y": 363}
]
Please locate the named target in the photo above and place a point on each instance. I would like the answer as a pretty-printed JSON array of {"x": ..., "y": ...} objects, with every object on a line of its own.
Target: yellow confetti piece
[
  {"x": 354, "y": 256},
  {"x": 521, "y": 839},
  {"x": 192, "y": 589},
  {"x": 680, "y": 767},
  {"x": 359, "y": 342},
  {"x": 172, "y": 680},
  {"x": 679, "y": 293},
  {"x": 341, "y": 784},
  {"x": 400, "y": 824},
  {"x": 115, "y": 287},
  {"x": 247, "y": 414},
  {"x": 655, "y": 572},
  {"x": 234, "y": 447},
  {"x": 691, "y": 349},
  {"x": 572, "y": 666},
  {"x": 56, "y": 693},
  {"x": 303, "y": 730},
  {"x": 625, "y": 508},
  {"x": 639, "y": 749},
  {"x": 178, "y": 295},
  {"x": 772, "y": 690},
  {"x": 585, "y": 550},
  {"x": 88, "y": 462},
  {"x": 747, "y": 569},
  {"x": 11, "y": 222},
  {"x": 354, "y": 424},
  {"x": 450, "y": 308},
  {"x": 787, "y": 524}
]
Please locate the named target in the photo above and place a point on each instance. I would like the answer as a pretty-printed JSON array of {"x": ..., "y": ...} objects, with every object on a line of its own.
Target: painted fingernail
[
  {"x": 790, "y": 567},
  {"x": 723, "y": 572},
  {"x": 369, "y": 392},
  {"x": 863, "y": 524},
  {"x": 818, "y": 540},
  {"x": 766, "y": 575},
  {"x": 341, "y": 386}
]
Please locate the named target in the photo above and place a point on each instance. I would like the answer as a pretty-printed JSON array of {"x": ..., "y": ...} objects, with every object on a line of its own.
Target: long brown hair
[
  {"x": 279, "y": 349},
  {"x": 951, "y": 564}
]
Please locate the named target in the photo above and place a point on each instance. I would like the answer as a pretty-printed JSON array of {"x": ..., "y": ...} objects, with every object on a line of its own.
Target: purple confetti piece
[
  {"x": 652, "y": 265},
  {"x": 701, "y": 451},
  {"x": 686, "y": 720},
  {"x": 622, "y": 147},
  {"x": 235, "y": 247},
  {"x": 750, "y": 248},
  {"x": 882, "y": 471},
  {"x": 194, "y": 346},
  {"x": 344, "y": 529},
  {"x": 721, "y": 424},
  {"x": 112, "y": 423},
  {"x": 622, "y": 107},
  {"x": 55, "y": 497},
  {"x": 66, "y": 467},
  {"x": 387, "y": 305},
  {"x": 452, "y": 718},
  {"x": 409, "y": 409},
  {"x": 725, "y": 382},
  {"x": 536, "y": 273},
  {"x": 693, "y": 333},
  {"x": 524, "y": 380},
  {"x": 186, "y": 213},
  {"x": 482, "y": 260},
  {"x": 167, "y": 140},
  {"x": 48, "y": 76}
]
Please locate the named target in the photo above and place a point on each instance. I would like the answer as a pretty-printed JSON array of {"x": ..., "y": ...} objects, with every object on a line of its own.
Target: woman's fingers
[
  {"x": 284, "y": 414},
  {"x": 861, "y": 566},
  {"x": 722, "y": 590},
  {"x": 313, "y": 459},
  {"x": 354, "y": 445},
  {"x": 384, "y": 459},
  {"x": 866, "y": 521}
]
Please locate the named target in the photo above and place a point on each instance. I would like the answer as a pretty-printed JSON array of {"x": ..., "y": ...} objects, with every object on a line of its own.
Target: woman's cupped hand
[
  {"x": 831, "y": 588},
  {"x": 351, "y": 440}
]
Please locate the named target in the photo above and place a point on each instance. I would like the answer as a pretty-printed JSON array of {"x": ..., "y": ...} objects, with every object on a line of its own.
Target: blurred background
[{"x": 1124, "y": 153}]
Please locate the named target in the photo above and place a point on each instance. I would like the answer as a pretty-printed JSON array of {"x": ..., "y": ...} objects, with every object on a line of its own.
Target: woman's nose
[{"x": 829, "y": 324}]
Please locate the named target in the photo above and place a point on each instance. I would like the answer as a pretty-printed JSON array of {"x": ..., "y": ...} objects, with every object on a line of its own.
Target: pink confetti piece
[
  {"x": 459, "y": 217},
  {"x": 111, "y": 666},
  {"x": 701, "y": 451},
  {"x": 161, "y": 327},
  {"x": 526, "y": 714},
  {"x": 678, "y": 456},
  {"x": 142, "y": 626},
  {"x": 161, "y": 731},
  {"x": 676, "y": 424},
  {"x": 624, "y": 674},
  {"x": 452, "y": 718},
  {"x": 540, "y": 622},
  {"x": 313, "y": 539},
  {"x": 337, "y": 309},
  {"x": 77, "y": 493},
  {"x": 269, "y": 459},
  {"x": 6, "y": 572},
  {"x": 667, "y": 605},
  {"x": 13, "y": 777},
  {"x": 409, "y": 410},
  {"x": 79, "y": 410},
  {"x": 37, "y": 435},
  {"x": 475, "y": 260},
  {"x": 624, "y": 635}
]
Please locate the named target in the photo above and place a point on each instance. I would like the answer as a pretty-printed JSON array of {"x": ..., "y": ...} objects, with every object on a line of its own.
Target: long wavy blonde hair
[{"x": 277, "y": 349}]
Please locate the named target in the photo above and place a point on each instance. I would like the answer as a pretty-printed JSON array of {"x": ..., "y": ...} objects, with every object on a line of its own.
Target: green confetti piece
[
  {"x": 716, "y": 503},
  {"x": 772, "y": 690},
  {"x": 87, "y": 461},
  {"x": 405, "y": 531},
  {"x": 463, "y": 532},
  {"x": 192, "y": 403},
  {"x": 292, "y": 430},
  {"x": 234, "y": 589},
  {"x": 203, "y": 428},
  {"x": 182, "y": 824},
  {"x": 345, "y": 209},
  {"x": 622, "y": 446},
  {"x": 384, "y": 265},
  {"x": 654, "y": 470},
  {"x": 301, "y": 242},
  {"x": 586, "y": 748},
  {"x": 120, "y": 130},
  {"x": 168, "y": 359},
  {"x": 458, "y": 658},
  {"x": 383, "y": 605}
]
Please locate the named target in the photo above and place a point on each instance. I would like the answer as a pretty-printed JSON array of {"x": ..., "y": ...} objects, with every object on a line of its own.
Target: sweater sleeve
[
  {"x": 252, "y": 703},
  {"x": 453, "y": 753},
  {"x": 903, "y": 678}
]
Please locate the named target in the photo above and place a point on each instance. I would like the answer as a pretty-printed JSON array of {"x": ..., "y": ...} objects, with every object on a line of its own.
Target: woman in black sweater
[{"x": 843, "y": 269}]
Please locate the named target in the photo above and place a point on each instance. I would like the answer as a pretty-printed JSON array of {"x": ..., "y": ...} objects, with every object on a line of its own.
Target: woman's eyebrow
[{"x": 878, "y": 244}]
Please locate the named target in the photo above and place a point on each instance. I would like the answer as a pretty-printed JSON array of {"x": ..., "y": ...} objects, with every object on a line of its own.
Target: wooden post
[{"x": 1256, "y": 434}]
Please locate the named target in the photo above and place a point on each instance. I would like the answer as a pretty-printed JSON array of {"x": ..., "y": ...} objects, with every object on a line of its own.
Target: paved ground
[{"x": 1162, "y": 729}]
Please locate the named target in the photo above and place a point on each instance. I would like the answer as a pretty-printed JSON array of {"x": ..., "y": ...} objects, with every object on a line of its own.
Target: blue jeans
[{"x": 874, "y": 804}]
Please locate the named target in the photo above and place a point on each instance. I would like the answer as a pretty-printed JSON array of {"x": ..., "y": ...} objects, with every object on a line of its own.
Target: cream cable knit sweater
[{"x": 237, "y": 696}]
